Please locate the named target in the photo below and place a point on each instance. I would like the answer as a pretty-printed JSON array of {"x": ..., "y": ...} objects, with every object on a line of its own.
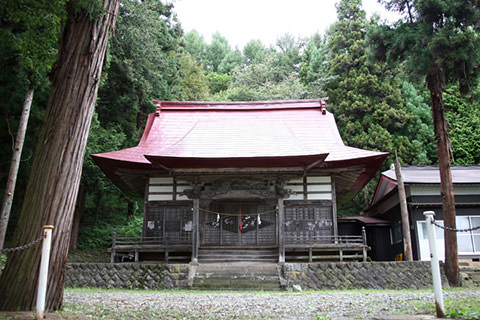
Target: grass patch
[{"x": 464, "y": 308}]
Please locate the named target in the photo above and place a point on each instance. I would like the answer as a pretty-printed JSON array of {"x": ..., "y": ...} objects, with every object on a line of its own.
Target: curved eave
[
  {"x": 127, "y": 175},
  {"x": 237, "y": 162},
  {"x": 367, "y": 166}
]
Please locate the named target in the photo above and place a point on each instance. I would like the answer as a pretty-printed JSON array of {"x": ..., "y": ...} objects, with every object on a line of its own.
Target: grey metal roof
[{"x": 431, "y": 174}]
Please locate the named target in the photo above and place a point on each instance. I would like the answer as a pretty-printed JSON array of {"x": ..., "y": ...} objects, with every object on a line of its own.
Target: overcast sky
[{"x": 266, "y": 20}]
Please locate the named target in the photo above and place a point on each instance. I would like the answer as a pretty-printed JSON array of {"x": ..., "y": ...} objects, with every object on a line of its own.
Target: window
[
  {"x": 468, "y": 242},
  {"x": 464, "y": 239},
  {"x": 438, "y": 232},
  {"x": 396, "y": 233},
  {"x": 475, "y": 222}
]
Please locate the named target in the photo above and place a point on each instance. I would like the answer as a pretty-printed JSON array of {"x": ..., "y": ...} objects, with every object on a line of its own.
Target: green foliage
[
  {"x": 193, "y": 81},
  {"x": 313, "y": 71},
  {"x": 100, "y": 140},
  {"x": 30, "y": 29},
  {"x": 463, "y": 309},
  {"x": 94, "y": 8},
  {"x": 106, "y": 208},
  {"x": 455, "y": 308},
  {"x": 262, "y": 81},
  {"x": 439, "y": 34},
  {"x": 142, "y": 66},
  {"x": 145, "y": 62},
  {"x": 3, "y": 260},
  {"x": 259, "y": 73},
  {"x": 231, "y": 60},
  {"x": 102, "y": 199},
  {"x": 463, "y": 117},
  {"x": 216, "y": 52},
  {"x": 367, "y": 97},
  {"x": 98, "y": 234},
  {"x": 195, "y": 45},
  {"x": 289, "y": 57},
  {"x": 218, "y": 82},
  {"x": 364, "y": 95},
  {"x": 419, "y": 146},
  {"x": 255, "y": 52}
]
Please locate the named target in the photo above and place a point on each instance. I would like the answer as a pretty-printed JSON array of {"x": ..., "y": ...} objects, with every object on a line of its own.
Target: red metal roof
[{"x": 241, "y": 134}]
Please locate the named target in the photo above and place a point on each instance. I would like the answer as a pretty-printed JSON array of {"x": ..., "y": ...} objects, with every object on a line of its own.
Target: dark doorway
[{"x": 239, "y": 224}]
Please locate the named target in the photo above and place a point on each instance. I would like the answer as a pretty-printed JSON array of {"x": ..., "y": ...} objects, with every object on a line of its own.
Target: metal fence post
[
  {"x": 437, "y": 280},
  {"x": 43, "y": 276}
]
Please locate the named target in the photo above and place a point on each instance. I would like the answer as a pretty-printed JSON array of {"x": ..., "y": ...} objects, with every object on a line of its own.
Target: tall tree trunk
[
  {"x": 55, "y": 175},
  {"x": 14, "y": 165},
  {"x": 435, "y": 85},
  {"x": 407, "y": 240}
]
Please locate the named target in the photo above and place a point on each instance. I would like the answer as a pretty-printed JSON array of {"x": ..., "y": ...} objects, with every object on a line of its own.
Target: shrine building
[{"x": 238, "y": 181}]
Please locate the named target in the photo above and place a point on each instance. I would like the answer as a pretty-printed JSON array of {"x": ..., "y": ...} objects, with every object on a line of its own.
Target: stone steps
[
  {"x": 220, "y": 255},
  {"x": 470, "y": 275},
  {"x": 237, "y": 276}
]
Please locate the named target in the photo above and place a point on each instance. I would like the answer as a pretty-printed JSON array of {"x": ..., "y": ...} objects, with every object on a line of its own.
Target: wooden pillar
[
  {"x": 364, "y": 240},
  {"x": 402, "y": 199},
  {"x": 334, "y": 211},
  {"x": 281, "y": 231},
  {"x": 195, "y": 230},
  {"x": 114, "y": 243},
  {"x": 257, "y": 231},
  {"x": 221, "y": 230}
]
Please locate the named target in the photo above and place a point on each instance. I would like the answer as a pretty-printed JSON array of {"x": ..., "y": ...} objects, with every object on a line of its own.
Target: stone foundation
[
  {"x": 360, "y": 275},
  {"x": 127, "y": 275},
  {"x": 316, "y": 276}
]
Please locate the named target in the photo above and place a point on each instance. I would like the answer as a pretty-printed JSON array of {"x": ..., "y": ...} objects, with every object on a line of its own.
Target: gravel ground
[{"x": 105, "y": 304}]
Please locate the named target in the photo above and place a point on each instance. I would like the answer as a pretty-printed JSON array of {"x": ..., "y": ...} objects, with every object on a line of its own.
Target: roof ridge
[{"x": 242, "y": 105}]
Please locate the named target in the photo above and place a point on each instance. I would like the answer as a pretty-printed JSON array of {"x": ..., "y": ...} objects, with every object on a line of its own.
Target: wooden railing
[
  {"x": 341, "y": 244},
  {"x": 330, "y": 247},
  {"x": 135, "y": 245},
  {"x": 327, "y": 240}
]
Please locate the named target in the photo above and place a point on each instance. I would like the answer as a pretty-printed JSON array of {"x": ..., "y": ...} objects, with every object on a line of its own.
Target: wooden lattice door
[{"x": 238, "y": 224}]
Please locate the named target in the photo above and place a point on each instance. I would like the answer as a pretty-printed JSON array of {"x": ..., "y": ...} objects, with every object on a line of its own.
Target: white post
[
  {"x": 437, "y": 280},
  {"x": 43, "y": 276}
]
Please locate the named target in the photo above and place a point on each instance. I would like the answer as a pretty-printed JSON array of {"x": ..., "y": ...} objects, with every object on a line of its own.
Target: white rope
[{"x": 238, "y": 214}]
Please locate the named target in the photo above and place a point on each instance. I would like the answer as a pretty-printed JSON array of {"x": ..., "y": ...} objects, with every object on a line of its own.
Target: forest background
[{"x": 377, "y": 106}]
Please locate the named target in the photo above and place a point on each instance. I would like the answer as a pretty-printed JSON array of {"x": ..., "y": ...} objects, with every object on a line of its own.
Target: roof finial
[
  {"x": 158, "y": 105},
  {"x": 324, "y": 105}
]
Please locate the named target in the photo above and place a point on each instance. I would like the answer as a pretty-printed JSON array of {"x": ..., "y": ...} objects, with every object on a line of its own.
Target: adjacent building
[{"x": 423, "y": 191}]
